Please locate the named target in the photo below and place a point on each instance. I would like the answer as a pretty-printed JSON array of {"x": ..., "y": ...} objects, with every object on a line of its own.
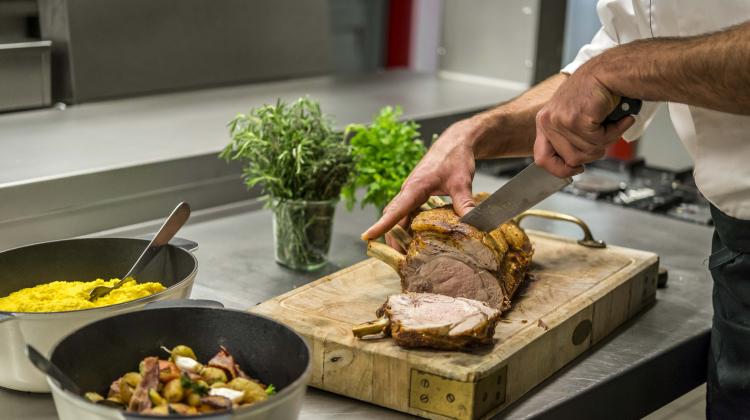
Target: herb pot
[{"x": 302, "y": 232}]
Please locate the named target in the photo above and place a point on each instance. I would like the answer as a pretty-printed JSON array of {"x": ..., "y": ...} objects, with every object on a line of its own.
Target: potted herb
[
  {"x": 384, "y": 152},
  {"x": 301, "y": 164}
]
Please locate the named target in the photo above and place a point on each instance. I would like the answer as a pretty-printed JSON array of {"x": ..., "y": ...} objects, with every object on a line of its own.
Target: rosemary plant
[{"x": 292, "y": 152}]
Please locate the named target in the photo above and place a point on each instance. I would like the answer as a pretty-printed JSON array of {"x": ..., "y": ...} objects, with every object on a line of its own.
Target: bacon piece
[
  {"x": 224, "y": 360},
  {"x": 114, "y": 389},
  {"x": 217, "y": 401},
  {"x": 140, "y": 400},
  {"x": 168, "y": 371}
]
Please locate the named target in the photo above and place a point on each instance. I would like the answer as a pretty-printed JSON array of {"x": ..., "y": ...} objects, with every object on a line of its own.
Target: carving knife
[{"x": 531, "y": 185}]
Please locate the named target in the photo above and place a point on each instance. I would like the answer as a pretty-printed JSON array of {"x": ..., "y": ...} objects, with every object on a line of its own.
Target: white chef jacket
[{"x": 718, "y": 142}]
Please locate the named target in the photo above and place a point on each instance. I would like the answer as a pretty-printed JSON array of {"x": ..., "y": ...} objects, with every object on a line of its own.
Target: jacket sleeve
[{"x": 621, "y": 23}]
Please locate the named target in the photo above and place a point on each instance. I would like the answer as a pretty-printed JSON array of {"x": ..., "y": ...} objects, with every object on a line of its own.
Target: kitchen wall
[{"x": 488, "y": 38}]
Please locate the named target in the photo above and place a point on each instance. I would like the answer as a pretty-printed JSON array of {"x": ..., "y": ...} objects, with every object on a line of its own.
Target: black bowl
[{"x": 100, "y": 352}]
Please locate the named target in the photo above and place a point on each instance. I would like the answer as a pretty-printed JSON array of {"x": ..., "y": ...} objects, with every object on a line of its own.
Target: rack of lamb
[
  {"x": 447, "y": 257},
  {"x": 480, "y": 271}
]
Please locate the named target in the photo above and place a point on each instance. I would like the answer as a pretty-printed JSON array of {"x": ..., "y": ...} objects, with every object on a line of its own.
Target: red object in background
[
  {"x": 399, "y": 33},
  {"x": 622, "y": 150}
]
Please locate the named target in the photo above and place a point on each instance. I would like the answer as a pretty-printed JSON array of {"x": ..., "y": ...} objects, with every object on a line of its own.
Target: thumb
[
  {"x": 616, "y": 130},
  {"x": 463, "y": 200}
]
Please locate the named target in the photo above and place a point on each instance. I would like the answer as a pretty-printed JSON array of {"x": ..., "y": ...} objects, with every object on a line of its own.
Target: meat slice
[
  {"x": 451, "y": 258},
  {"x": 140, "y": 400},
  {"x": 438, "y": 321},
  {"x": 225, "y": 361}
]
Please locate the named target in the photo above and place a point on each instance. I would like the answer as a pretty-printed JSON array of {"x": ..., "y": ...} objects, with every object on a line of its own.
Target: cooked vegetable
[
  {"x": 172, "y": 386},
  {"x": 187, "y": 364},
  {"x": 161, "y": 410},
  {"x": 217, "y": 401},
  {"x": 183, "y": 351},
  {"x": 128, "y": 383},
  {"x": 253, "y": 391},
  {"x": 231, "y": 394},
  {"x": 173, "y": 391},
  {"x": 155, "y": 398},
  {"x": 193, "y": 399},
  {"x": 213, "y": 375},
  {"x": 93, "y": 396},
  {"x": 183, "y": 409}
]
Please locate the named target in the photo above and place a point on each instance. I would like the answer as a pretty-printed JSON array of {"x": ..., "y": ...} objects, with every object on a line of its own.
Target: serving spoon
[
  {"x": 166, "y": 232},
  {"x": 45, "y": 365}
]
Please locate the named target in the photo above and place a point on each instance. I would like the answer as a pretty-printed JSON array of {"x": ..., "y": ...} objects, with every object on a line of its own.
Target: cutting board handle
[{"x": 587, "y": 240}]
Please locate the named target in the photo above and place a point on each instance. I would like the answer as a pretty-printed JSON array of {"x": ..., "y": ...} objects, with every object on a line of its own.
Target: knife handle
[{"x": 626, "y": 106}]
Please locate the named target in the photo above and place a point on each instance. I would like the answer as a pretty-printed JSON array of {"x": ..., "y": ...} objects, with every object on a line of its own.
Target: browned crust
[{"x": 417, "y": 339}]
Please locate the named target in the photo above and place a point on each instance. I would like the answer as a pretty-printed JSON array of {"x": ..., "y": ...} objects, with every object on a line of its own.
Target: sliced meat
[
  {"x": 451, "y": 258},
  {"x": 140, "y": 400},
  {"x": 114, "y": 388},
  {"x": 217, "y": 401},
  {"x": 439, "y": 321},
  {"x": 224, "y": 360}
]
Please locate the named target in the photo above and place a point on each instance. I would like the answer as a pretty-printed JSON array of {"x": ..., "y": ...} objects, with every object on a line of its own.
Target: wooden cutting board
[{"x": 577, "y": 296}]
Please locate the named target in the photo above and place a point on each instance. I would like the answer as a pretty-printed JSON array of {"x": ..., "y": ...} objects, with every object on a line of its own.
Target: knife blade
[
  {"x": 532, "y": 185},
  {"x": 522, "y": 192}
]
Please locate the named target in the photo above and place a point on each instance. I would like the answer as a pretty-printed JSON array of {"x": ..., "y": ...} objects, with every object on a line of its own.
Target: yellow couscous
[{"x": 59, "y": 296}]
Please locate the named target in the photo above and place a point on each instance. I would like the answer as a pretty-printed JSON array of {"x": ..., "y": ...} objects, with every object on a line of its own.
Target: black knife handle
[{"x": 627, "y": 106}]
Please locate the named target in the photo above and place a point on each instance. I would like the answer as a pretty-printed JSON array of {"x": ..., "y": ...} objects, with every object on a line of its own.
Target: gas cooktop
[{"x": 632, "y": 184}]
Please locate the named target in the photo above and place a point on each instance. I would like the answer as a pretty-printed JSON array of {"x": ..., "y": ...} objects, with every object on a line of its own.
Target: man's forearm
[
  {"x": 711, "y": 71},
  {"x": 509, "y": 129}
]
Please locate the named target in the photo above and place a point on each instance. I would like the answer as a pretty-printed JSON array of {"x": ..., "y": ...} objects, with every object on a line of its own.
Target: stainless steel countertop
[{"x": 237, "y": 268}]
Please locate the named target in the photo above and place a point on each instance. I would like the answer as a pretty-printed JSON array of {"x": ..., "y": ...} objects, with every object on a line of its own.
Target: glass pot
[{"x": 302, "y": 232}]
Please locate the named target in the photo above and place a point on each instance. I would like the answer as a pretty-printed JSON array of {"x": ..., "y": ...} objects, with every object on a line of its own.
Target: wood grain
[{"x": 577, "y": 296}]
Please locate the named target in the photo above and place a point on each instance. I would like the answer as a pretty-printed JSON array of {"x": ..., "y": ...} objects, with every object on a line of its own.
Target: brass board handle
[
  {"x": 373, "y": 327},
  {"x": 587, "y": 240}
]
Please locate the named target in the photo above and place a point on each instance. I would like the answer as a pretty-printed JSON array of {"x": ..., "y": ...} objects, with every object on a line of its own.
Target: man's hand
[
  {"x": 446, "y": 169},
  {"x": 569, "y": 130}
]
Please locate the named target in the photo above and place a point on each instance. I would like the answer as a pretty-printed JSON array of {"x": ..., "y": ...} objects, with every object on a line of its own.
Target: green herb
[
  {"x": 188, "y": 383},
  {"x": 385, "y": 152},
  {"x": 270, "y": 389},
  {"x": 295, "y": 156},
  {"x": 290, "y": 151}
]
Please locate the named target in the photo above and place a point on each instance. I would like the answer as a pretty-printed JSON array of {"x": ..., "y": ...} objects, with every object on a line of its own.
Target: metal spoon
[
  {"x": 170, "y": 227},
  {"x": 45, "y": 365}
]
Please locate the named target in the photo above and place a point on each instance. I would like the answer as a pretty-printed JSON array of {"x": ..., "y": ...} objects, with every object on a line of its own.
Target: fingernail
[{"x": 364, "y": 237}]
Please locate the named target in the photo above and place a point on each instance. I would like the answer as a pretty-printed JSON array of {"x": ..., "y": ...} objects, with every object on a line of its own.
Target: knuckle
[
  {"x": 543, "y": 117},
  {"x": 544, "y": 162},
  {"x": 568, "y": 120}
]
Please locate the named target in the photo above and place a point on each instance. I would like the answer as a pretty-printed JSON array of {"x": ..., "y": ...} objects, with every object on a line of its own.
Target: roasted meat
[
  {"x": 451, "y": 258},
  {"x": 435, "y": 321}
]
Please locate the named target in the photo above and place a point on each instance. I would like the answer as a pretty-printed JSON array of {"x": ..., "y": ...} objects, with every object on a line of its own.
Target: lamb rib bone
[
  {"x": 431, "y": 320},
  {"x": 386, "y": 254},
  {"x": 401, "y": 236}
]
